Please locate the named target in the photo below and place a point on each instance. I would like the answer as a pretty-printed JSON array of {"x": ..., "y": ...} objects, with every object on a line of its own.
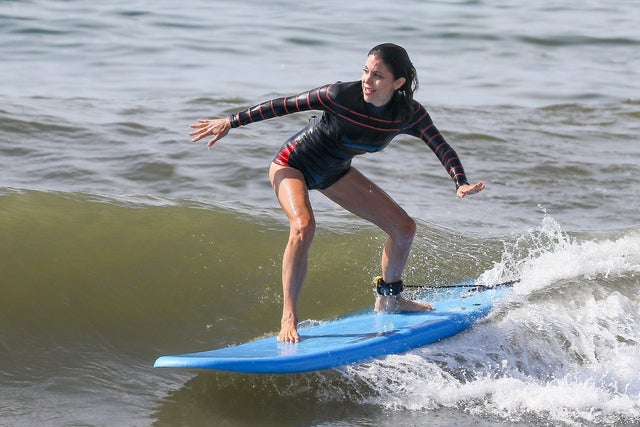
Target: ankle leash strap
[{"x": 385, "y": 289}]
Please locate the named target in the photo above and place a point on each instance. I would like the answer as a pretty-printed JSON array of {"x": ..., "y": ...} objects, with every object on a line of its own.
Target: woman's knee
[
  {"x": 405, "y": 229},
  {"x": 302, "y": 230}
]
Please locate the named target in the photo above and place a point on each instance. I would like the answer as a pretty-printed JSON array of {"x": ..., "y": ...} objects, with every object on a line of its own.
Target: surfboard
[{"x": 353, "y": 338}]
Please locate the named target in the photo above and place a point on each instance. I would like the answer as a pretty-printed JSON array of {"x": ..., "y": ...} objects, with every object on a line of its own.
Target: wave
[
  {"x": 561, "y": 350},
  {"x": 578, "y": 40},
  {"x": 71, "y": 256},
  {"x": 94, "y": 289}
]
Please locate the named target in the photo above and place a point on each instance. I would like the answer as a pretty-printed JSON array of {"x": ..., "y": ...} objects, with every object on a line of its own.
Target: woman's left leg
[{"x": 362, "y": 197}]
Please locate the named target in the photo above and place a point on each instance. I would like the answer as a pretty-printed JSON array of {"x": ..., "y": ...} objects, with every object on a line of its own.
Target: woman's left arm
[{"x": 423, "y": 127}]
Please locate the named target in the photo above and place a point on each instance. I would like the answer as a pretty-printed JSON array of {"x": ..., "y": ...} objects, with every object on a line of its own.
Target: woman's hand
[
  {"x": 217, "y": 128},
  {"x": 466, "y": 189}
]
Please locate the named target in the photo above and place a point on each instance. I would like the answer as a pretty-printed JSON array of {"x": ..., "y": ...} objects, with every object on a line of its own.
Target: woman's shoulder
[
  {"x": 419, "y": 110},
  {"x": 339, "y": 88}
]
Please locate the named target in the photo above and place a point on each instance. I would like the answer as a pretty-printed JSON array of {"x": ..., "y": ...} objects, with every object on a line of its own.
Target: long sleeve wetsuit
[{"x": 349, "y": 126}]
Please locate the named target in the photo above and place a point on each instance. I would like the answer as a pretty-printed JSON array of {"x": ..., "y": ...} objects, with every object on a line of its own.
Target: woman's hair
[{"x": 397, "y": 60}]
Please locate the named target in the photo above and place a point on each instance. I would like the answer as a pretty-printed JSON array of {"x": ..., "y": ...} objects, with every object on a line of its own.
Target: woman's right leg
[{"x": 291, "y": 191}]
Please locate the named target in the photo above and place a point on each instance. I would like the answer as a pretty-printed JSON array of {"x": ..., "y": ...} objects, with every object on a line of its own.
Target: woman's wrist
[{"x": 233, "y": 120}]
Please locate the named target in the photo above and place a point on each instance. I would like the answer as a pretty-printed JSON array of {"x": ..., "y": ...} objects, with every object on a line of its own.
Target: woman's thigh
[
  {"x": 291, "y": 191},
  {"x": 360, "y": 196}
]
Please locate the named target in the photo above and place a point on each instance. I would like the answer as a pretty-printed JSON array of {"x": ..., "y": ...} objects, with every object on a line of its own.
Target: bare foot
[
  {"x": 398, "y": 304},
  {"x": 289, "y": 329}
]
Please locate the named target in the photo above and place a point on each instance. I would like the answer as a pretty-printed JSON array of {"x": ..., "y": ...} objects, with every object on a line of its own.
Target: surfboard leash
[{"x": 466, "y": 285}]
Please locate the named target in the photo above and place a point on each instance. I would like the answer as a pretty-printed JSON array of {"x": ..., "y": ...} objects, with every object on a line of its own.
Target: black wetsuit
[{"x": 349, "y": 126}]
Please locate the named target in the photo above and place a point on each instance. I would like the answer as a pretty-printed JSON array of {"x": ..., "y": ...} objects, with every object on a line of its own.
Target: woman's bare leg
[
  {"x": 361, "y": 196},
  {"x": 292, "y": 193}
]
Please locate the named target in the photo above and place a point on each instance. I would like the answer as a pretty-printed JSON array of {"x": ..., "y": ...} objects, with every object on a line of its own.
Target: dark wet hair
[{"x": 397, "y": 60}]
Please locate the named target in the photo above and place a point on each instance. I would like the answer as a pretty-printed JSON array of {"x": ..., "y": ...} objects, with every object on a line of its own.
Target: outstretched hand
[
  {"x": 217, "y": 128},
  {"x": 466, "y": 189}
]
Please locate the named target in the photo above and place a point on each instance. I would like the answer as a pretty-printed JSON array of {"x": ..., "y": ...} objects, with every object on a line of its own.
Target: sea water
[{"x": 120, "y": 241}]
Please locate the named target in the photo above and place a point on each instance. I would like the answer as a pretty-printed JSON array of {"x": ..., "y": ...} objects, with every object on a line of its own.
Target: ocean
[{"x": 121, "y": 241}]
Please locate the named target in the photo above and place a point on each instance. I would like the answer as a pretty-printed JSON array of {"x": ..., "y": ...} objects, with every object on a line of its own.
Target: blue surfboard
[{"x": 353, "y": 338}]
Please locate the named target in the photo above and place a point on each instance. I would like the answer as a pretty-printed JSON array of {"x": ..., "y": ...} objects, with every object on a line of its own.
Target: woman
[{"x": 358, "y": 117}]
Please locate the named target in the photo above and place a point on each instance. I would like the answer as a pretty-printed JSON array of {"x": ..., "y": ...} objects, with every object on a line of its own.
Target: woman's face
[{"x": 378, "y": 84}]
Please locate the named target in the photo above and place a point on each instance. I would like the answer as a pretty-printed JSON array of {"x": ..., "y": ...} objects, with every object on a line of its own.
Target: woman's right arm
[{"x": 314, "y": 99}]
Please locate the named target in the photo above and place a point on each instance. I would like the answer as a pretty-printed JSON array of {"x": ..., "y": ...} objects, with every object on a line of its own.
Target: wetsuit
[{"x": 349, "y": 126}]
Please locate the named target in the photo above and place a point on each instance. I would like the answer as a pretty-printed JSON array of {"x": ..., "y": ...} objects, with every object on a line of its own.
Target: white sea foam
[{"x": 563, "y": 348}]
